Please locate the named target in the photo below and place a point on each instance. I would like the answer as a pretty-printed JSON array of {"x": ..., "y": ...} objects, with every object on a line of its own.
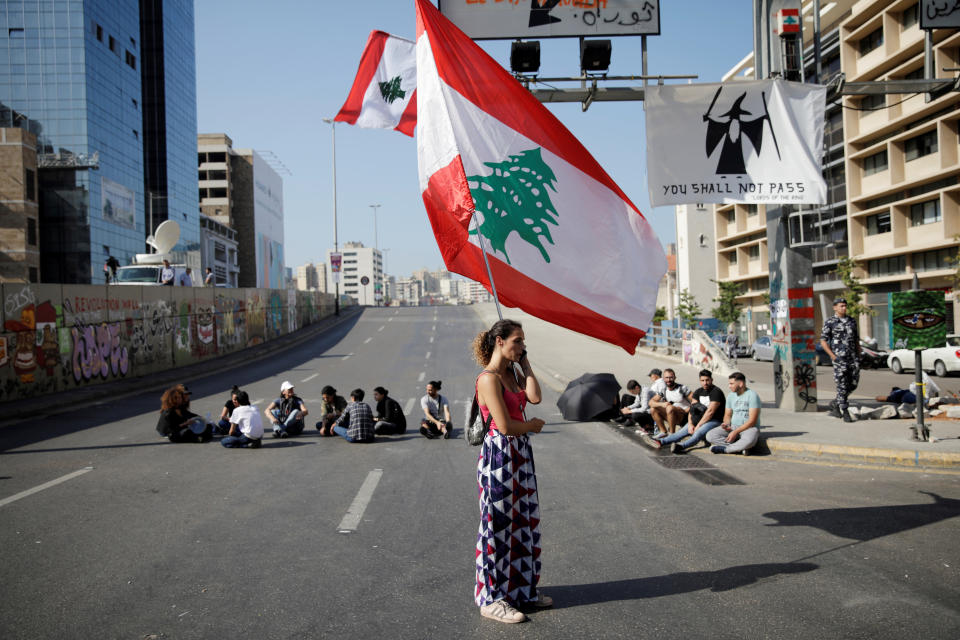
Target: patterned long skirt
[{"x": 508, "y": 544}]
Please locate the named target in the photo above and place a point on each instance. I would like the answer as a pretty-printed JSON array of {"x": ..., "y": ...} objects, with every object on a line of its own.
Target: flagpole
[{"x": 483, "y": 252}]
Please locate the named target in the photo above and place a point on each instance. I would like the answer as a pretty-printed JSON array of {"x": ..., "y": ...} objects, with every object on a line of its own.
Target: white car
[{"x": 941, "y": 360}]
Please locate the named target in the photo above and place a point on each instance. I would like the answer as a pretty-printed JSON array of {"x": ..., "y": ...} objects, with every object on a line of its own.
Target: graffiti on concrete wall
[
  {"x": 97, "y": 352},
  {"x": 256, "y": 333},
  {"x": 231, "y": 322}
]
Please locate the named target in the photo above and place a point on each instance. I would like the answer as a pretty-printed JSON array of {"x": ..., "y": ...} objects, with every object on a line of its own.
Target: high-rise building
[
  {"x": 359, "y": 262},
  {"x": 307, "y": 277},
  {"x": 105, "y": 85},
  {"x": 239, "y": 189},
  {"x": 218, "y": 250},
  {"x": 695, "y": 264}
]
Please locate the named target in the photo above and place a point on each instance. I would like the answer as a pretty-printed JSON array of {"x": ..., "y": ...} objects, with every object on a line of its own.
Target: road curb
[{"x": 911, "y": 458}]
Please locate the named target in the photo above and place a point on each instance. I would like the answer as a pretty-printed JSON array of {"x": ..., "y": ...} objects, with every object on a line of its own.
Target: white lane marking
[
  {"x": 428, "y": 355},
  {"x": 390, "y": 319},
  {"x": 346, "y": 356},
  {"x": 257, "y": 401},
  {"x": 45, "y": 485},
  {"x": 381, "y": 328},
  {"x": 352, "y": 519},
  {"x": 423, "y": 374},
  {"x": 367, "y": 341},
  {"x": 409, "y": 406},
  {"x": 434, "y": 327},
  {"x": 309, "y": 378},
  {"x": 431, "y": 339}
]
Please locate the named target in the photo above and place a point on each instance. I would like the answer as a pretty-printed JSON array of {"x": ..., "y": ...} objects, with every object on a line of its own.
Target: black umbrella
[{"x": 588, "y": 396}]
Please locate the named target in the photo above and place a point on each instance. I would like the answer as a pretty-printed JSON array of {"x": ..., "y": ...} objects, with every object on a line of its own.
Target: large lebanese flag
[
  {"x": 384, "y": 93},
  {"x": 564, "y": 242}
]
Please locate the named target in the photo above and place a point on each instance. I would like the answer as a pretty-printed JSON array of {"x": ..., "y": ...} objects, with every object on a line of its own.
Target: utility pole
[{"x": 336, "y": 276}]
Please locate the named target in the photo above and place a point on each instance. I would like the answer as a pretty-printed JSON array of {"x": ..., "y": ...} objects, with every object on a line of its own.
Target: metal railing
[{"x": 668, "y": 340}]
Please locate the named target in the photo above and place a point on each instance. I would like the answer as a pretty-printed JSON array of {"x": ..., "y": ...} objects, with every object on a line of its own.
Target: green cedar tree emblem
[
  {"x": 514, "y": 198},
  {"x": 391, "y": 90}
]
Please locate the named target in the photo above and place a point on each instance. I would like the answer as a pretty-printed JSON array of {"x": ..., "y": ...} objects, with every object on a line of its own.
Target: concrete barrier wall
[
  {"x": 699, "y": 350},
  {"x": 60, "y": 337}
]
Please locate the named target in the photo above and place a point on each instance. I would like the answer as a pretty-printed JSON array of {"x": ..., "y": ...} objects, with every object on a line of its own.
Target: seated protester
[
  {"x": 223, "y": 426},
  {"x": 355, "y": 424},
  {"x": 931, "y": 392},
  {"x": 389, "y": 417},
  {"x": 176, "y": 422},
  {"x": 436, "y": 411},
  {"x": 331, "y": 407},
  {"x": 246, "y": 428},
  {"x": 670, "y": 408},
  {"x": 740, "y": 429},
  {"x": 637, "y": 413},
  {"x": 286, "y": 412},
  {"x": 705, "y": 413}
]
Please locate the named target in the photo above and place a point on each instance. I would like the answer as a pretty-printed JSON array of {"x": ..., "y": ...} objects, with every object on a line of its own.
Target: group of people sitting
[
  {"x": 667, "y": 413},
  {"x": 240, "y": 423}
]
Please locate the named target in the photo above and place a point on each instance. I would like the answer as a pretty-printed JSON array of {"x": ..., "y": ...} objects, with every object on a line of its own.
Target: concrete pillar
[{"x": 792, "y": 318}]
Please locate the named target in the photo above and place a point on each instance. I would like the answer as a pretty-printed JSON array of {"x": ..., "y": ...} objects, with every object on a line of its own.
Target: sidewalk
[
  {"x": 559, "y": 355},
  {"x": 64, "y": 401}
]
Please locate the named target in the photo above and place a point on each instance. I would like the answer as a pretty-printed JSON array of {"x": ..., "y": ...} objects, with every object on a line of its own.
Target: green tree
[
  {"x": 659, "y": 315},
  {"x": 514, "y": 197},
  {"x": 390, "y": 90},
  {"x": 687, "y": 308},
  {"x": 855, "y": 290},
  {"x": 728, "y": 307}
]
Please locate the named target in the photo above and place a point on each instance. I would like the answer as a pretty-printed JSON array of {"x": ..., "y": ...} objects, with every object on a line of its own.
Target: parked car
[
  {"x": 762, "y": 349},
  {"x": 871, "y": 357},
  {"x": 941, "y": 360}
]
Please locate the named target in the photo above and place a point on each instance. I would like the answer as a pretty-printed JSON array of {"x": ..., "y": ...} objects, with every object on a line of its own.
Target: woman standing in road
[{"x": 508, "y": 544}]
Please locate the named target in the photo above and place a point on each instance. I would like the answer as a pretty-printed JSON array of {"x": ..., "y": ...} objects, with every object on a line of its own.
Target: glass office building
[{"x": 74, "y": 72}]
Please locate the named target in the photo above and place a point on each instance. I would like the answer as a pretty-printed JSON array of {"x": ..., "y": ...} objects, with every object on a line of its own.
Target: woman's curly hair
[
  {"x": 485, "y": 341},
  {"x": 173, "y": 398}
]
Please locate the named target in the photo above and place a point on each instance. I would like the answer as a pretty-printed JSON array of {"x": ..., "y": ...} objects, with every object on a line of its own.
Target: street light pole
[{"x": 336, "y": 276}]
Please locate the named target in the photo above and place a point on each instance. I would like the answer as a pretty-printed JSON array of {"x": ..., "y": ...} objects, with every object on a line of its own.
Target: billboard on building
[
  {"x": 118, "y": 204},
  {"x": 268, "y": 222},
  {"x": 553, "y": 18}
]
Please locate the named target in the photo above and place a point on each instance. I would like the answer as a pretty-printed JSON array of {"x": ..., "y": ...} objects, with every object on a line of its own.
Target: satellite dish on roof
[{"x": 165, "y": 237}]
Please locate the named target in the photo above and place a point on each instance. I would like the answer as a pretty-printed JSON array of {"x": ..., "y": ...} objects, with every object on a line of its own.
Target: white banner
[{"x": 757, "y": 142}]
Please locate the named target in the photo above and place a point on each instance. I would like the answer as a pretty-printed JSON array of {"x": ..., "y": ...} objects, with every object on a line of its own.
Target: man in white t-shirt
[
  {"x": 670, "y": 407},
  {"x": 246, "y": 428},
  {"x": 166, "y": 274},
  {"x": 436, "y": 411}
]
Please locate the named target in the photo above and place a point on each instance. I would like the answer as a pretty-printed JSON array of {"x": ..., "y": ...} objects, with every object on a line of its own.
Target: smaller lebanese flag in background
[
  {"x": 384, "y": 94},
  {"x": 564, "y": 242}
]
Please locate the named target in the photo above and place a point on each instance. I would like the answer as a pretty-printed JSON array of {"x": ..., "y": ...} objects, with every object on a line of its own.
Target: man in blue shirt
[{"x": 740, "y": 429}]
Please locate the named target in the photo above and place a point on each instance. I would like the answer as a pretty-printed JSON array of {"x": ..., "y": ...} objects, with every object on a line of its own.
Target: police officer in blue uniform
[{"x": 841, "y": 340}]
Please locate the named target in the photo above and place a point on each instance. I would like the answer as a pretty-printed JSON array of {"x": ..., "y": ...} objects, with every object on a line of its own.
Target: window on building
[
  {"x": 879, "y": 223},
  {"x": 133, "y": 43},
  {"x": 136, "y": 134},
  {"x": 136, "y": 105},
  {"x": 916, "y": 74},
  {"x": 893, "y": 265},
  {"x": 875, "y": 163},
  {"x": 731, "y": 216},
  {"x": 31, "y": 232},
  {"x": 733, "y": 257},
  {"x": 218, "y": 193},
  {"x": 201, "y": 158},
  {"x": 216, "y": 175},
  {"x": 910, "y": 17},
  {"x": 753, "y": 252},
  {"x": 30, "y": 184},
  {"x": 32, "y": 274},
  {"x": 872, "y": 102},
  {"x": 934, "y": 260},
  {"x": 922, "y": 145},
  {"x": 219, "y": 252},
  {"x": 220, "y": 273},
  {"x": 751, "y": 210},
  {"x": 15, "y": 33},
  {"x": 113, "y": 45},
  {"x": 925, "y": 213},
  {"x": 130, "y": 59},
  {"x": 217, "y": 156},
  {"x": 871, "y": 41},
  {"x": 99, "y": 31}
]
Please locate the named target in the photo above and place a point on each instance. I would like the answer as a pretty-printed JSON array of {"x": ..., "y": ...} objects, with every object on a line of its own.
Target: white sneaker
[{"x": 502, "y": 611}]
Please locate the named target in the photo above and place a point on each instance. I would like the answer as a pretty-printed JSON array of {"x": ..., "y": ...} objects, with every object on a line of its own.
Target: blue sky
[{"x": 267, "y": 73}]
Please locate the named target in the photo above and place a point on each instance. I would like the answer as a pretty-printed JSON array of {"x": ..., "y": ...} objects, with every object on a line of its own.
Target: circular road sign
[{"x": 364, "y": 280}]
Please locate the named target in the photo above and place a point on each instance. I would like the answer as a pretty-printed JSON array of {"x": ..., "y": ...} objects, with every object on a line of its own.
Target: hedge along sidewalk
[
  {"x": 16, "y": 411},
  {"x": 559, "y": 355}
]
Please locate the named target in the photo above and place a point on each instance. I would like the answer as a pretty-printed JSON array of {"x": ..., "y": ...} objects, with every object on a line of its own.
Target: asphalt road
[{"x": 151, "y": 539}]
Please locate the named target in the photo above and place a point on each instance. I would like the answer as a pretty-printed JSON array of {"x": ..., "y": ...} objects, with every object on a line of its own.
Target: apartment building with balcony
[{"x": 902, "y": 160}]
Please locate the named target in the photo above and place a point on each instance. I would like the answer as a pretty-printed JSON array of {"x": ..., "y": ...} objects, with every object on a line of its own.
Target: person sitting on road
[
  {"x": 223, "y": 426},
  {"x": 286, "y": 412},
  {"x": 740, "y": 429},
  {"x": 331, "y": 408},
  {"x": 705, "y": 413},
  {"x": 898, "y": 396},
  {"x": 389, "y": 417},
  {"x": 436, "y": 411},
  {"x": 637, "y": 412},
  {"x": 246, "y": 428},
  {"x": 355, "y": 424},
  {"x": 670, "y": 408},
  {"x": 177, "y": 423}
]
